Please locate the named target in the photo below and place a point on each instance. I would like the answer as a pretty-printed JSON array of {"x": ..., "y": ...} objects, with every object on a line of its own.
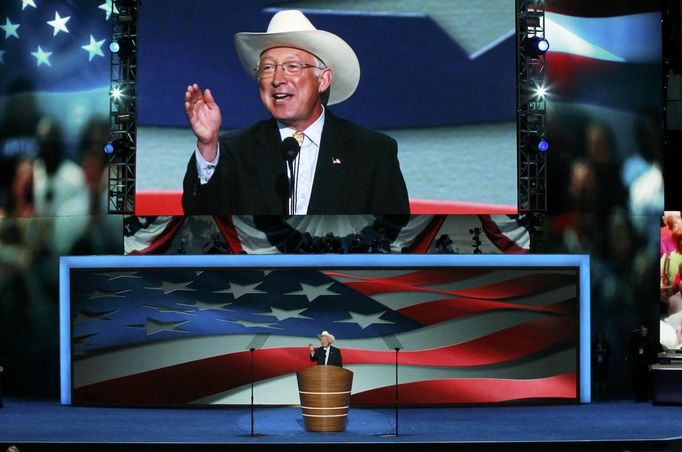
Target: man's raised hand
[{"x": 204, "y": 117}]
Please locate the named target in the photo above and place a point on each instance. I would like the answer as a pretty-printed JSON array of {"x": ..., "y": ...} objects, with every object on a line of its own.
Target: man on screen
[
  {"x": 336, "y": 167},
  {"x": 326, "y": 354}
]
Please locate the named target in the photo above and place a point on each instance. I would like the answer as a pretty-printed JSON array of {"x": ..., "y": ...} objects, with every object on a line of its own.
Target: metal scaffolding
[
  {"x": 532, "y": 163},
  {"x": 122, "y": 108}
]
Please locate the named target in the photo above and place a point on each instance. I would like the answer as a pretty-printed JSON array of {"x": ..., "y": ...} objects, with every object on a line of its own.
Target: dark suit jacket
[
  {"x": 334, "y": 356},
  {"x": 251, "y": 177}
]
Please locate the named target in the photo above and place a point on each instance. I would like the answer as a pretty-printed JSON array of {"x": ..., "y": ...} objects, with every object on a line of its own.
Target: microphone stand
[
  {"x": 292, "y": 188},
  {"x": 252, "y": 350},
  {"x": 397, "y": 349},
  {"x": 289, "y": 150}
]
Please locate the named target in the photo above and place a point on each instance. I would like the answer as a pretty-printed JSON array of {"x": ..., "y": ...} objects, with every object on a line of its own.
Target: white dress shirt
[
  {"x": 304, "y": 164},
  {"x": 306, "y": 161}
]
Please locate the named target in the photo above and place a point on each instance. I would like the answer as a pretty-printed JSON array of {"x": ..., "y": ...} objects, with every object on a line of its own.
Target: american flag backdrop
[
  {"x": 597, "y": 54},
  {"x": 58, "y": 51},
  {"x": 147, "y": 336},
  {"x": 59, "y": 45}
]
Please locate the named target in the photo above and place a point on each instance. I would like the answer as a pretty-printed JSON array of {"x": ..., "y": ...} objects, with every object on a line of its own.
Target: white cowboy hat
[
  {"x": 292, "y": 29},
  {"x": 329, "y": 335}
]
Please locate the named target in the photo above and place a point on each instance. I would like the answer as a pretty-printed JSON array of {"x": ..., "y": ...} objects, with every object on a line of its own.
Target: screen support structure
[
  {"x": 123, "y": 108},
  {"x": 531, "y": 107}
]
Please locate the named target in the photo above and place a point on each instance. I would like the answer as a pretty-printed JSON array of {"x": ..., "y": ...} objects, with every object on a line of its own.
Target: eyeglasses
[{"x": 290, "y": 68}]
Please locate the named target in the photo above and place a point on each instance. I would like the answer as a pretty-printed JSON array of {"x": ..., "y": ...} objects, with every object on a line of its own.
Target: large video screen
[{"x": 437, "y": 77}]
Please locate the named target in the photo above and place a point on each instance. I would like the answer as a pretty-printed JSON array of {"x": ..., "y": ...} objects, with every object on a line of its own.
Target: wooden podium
[{"x": 325, "y": 397}]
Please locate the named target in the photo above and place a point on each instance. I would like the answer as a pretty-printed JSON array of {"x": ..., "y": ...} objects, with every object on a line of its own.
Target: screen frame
[{"x": 581, "y": 262}]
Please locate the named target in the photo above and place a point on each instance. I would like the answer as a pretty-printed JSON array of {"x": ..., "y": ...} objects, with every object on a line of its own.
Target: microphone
[{"x": 289, "y": 150}]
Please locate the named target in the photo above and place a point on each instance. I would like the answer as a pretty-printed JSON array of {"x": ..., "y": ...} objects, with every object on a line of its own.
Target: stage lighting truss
[
  {"x": 531, "y": 138},
  {"x": 122, "y": 108}
]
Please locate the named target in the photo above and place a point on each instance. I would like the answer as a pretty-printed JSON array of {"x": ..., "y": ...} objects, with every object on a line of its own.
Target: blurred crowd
[
  {"x": 354, "y": 243},
  {"x": 52, "y": 203},
  {"x": 43, "y": 176},
  {"x": 606, "y": 200}
]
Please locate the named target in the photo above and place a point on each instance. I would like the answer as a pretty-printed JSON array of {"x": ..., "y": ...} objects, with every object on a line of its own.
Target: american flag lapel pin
[{"x": 336, "y": 161}]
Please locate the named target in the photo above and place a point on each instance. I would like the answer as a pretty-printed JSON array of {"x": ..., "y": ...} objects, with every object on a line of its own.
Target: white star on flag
[
  {"x": 237, "y": 290},
  {"x": 104, "y": 294},
  {"x": 363, "y": 321},
  {"x": 25, "y": 3},
  {"x": 167, "y": 309},
  {"x": 249, "y": 324},
  {"x": 42, "y": 57},
  {"x": 108, "y": 8},
  {"x": 154, "y": 326},
  {"x": 116, "y": 275},
  {"x": 10, "y": 29},
  {"x": 205, "y": 306},
  {"x": 283, "y": 314},
  {"x": 311, "y": 292},
  {"x": 85, "y": 316},
  {"x": 59, "y": 23},
  {"x": 169, "y": 287},
  {"x": 94, "y": 48}
]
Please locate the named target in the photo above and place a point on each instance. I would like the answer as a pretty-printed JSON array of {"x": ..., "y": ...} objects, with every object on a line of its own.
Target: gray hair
[{"x": 319, "y": 65}]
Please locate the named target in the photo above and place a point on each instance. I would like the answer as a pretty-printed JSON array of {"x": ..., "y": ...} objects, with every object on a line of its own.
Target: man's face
[
  {"x": 324, "y": 340},
  {"x": 293, "y": 99}
]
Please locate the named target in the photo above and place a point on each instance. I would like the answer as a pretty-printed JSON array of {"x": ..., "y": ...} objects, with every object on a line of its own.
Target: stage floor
[{"x": 623, "y": 425}]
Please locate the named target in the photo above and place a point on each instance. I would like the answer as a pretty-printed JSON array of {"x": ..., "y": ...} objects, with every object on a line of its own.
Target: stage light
[
  {"x": 538, "y": 143},
  {"x": 536, "y": 46},
  {"x": 122, "y": 46},
  {"x": 541, "y": 91},
  {"x": 116, "y": 93},
  {"x": 543, "y": 145},
  {"x": 116, "y": 146}
]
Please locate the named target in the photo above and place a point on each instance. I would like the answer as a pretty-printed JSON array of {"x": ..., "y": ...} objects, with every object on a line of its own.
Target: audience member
[
  {"x": 600, "y": 145},
  {"x": 331, "y": 244},
  {"x": 358, "y": 245},
  {"x": 307, "y": 245},
  {"x": 671, "y": 261},
  {"x": 380, "y": 244},
  {"x": 670, "y": 221},
  {"x": 601, "y": 354},
  {"x": 18, "y": 141},
  {"x": 642, "y": 354}
]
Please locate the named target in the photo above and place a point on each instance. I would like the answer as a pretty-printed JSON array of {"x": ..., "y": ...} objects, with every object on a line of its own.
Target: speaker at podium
[{"x": 325, "y": 397}]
